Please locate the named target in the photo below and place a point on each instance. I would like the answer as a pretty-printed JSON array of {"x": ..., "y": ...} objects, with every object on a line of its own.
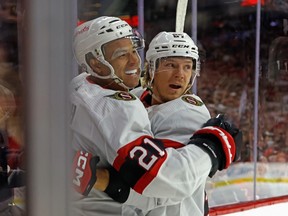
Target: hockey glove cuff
[
  {"x": 117, "y": 189},
  {"x": 84, "y": 172},
  {"x": 219, "y": 145},
  {"x": 222, "y": 122}
]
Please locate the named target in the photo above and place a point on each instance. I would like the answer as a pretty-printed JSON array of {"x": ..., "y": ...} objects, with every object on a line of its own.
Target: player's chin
[
  {"x": 132, "y": 80},
  {"x": 172, "y": 95}
]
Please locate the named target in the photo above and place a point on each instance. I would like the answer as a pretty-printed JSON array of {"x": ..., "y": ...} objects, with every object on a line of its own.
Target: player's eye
[
  {"x": 188, "y": 67},
  {"x": 123, "y": 55},
  {"x": 135, "y": 51}
]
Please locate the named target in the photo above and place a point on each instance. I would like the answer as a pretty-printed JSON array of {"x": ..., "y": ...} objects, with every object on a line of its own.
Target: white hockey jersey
[
  {"x": 175, "y": 120},
  {"x": 115, "y": 126}
]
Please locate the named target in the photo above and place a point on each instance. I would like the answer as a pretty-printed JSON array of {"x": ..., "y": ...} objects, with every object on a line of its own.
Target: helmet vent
[
  {"x": 162, "y": 50},
  {"x": 112, "y": 21},
  {"x": 109, "y": 30}
]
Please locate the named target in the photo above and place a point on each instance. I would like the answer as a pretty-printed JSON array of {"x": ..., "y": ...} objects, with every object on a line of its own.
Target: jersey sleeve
[
  {"x": 163, "y": 165},
  {"x": 176, "y": 120},
  {"x": 157, "y": 168}
]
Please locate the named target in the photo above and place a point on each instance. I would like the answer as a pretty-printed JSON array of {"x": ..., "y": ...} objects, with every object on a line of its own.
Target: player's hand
[
  {"x": 84, "y": 171},
  {"x": 117, "y": 188},
  {"x": 221, "y": 140},
  {"x": 222, "y": 122}
]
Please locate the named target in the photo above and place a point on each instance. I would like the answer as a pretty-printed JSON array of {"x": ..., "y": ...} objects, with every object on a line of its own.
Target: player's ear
[
  {"x": 95, "y": 64},
  {"x": 92, "y": 61}
]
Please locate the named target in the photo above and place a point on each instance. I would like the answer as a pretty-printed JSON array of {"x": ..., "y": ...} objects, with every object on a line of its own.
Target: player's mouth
[
  {"x": 175, "y": 86},
  {"x": 131, "y": 72}
]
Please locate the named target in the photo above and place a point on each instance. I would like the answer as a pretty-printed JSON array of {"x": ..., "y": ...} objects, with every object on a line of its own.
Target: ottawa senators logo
[
  {"x": 126, "y": 96},
  {"x": 192, "y": 100}
]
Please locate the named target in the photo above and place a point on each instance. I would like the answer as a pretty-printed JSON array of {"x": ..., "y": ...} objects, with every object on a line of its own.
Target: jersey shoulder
[
  {"x": 101, "y": 102},
  {"x": 192, "y": 99}
]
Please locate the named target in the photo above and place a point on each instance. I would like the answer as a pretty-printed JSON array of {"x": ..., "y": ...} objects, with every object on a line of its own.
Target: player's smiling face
[
  {"x": 172, "y": 77},
  {"x": 125, "y": 60}
]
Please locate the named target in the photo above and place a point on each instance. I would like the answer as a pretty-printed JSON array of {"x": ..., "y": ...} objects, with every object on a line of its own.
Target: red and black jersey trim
[
  {"x": 139, "y": 161},
  {"x": 146, "y": 98}
]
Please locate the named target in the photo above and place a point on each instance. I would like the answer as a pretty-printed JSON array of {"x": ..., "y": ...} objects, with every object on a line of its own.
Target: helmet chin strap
[
  {"x": 120, "y": 82},
  {"x": 187, "y": 89},
  {"x": 112, "y": 75},
  {"x": 150, "y": 89},
  {"x": 114, "y": 78}
]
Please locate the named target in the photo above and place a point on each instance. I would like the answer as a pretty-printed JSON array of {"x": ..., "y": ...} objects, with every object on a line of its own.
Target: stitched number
[{"x": 141, "y": 154}]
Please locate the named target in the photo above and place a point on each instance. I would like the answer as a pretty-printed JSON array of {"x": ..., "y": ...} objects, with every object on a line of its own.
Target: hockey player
[
  {"x": 173, "y": 64},
  {"x": 110, "y": 122}
]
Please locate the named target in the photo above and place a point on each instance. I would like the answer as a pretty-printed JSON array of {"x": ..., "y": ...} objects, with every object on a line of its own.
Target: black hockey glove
[
  {"x": 221, "y": 140},
  {"x": 117, "y": 189},
  {"x": 222, "y": 122},
  {"x": 84, "y": 172}
]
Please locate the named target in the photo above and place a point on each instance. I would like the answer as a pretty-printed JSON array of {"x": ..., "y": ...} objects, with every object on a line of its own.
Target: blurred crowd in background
[{"x": 227, "y": 85}]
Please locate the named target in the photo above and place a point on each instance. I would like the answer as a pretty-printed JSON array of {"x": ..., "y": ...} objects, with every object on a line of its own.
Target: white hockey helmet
[
  {"x": 90, "y": 37},
  {"x": 167, "y": 44}
]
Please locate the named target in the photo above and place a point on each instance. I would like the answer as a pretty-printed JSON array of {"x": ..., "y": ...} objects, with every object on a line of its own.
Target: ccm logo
[
  {"x": 80, "y": 167},
  {"x": 121, "y": 26},
  {"x": 178, "y": 35},
  {"x": 180, "y": 46}
]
